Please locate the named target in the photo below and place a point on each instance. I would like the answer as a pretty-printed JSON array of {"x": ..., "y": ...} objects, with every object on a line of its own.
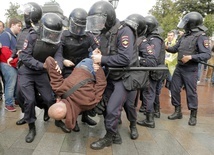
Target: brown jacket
[{"x": 85, "y": 98}]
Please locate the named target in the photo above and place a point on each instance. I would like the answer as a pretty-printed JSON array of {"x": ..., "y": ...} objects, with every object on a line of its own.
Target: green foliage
[{"x": 209, "y": 23}]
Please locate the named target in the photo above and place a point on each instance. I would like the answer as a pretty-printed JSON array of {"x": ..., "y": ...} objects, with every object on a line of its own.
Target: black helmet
[
  {"x": 137, "y": 22},
  {"x": 33, "y": 11},
  {"x": 77, "y": 20},
  {"x": 152, "y": 24},
  {"x": 101, "y": 16},
  {"x": 191, "y": 21},
  {"x": 51, "y": 28}
]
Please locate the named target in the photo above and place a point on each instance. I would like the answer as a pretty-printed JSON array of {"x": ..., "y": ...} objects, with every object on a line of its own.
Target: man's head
[
  {"x": 15, "y": 25},
  {"x": 170, "y": 36},
  {"x": 57, "y": 111},
  {"x": 1, "y": 27}
]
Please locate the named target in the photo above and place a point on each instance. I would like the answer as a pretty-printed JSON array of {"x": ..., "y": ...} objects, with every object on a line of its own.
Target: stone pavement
[{"x": 167, "y": 138}]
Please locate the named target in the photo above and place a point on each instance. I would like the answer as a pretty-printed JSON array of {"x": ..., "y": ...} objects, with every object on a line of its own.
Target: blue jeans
[{"x": 10, "y": 77}]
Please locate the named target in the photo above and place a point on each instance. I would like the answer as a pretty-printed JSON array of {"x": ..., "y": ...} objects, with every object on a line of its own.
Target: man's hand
[
  {"x": 96, "y": 51},
  {"x": 58, "y": 68},
  {"x": 68, "y": 63},
  {"x": 186, "y": 58},
  {"x": 96, "y": 58},
  {"x": 96, "y": 66},
  {"x": 9, "y": 60}
]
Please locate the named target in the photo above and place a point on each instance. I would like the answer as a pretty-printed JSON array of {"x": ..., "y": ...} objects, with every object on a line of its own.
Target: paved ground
[{"x": 167, "y": 138}]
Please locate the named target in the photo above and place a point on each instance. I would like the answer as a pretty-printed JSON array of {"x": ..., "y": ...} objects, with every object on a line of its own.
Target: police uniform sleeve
[
  {"x": 125, "y": 45},
  {"x": 59, "y": 57},
  {"x": 146, "y": 54},
  {"x": 26, "y": 55},
  {"x": 174, "y": 49},
  {"x": 203, "y": 48}
]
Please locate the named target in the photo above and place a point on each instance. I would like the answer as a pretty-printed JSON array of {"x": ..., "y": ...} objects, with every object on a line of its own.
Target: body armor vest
[
  {"x": 76, "y": 49},
  {"x": 161, "y": 57},
  {"x": 42, "y": 50},
  {"x": 21, "y": 38},
  {"x": 108, "y": 46},
  {"x": 188, "y": 46}
]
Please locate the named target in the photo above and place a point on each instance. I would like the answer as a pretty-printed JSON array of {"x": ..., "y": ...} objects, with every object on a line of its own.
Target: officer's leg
[
  {"x": 143, "y": 104},
  {"x": 131, "y": 113},
  {"x": 175, "y": 88},
  {"x": 27, "y": 89},
  {"x": 190, "y": 82},
  {"x": 149, "y": 97},
  {"x": 157, "y": 99},
  {"x": 113, "y": 111}
]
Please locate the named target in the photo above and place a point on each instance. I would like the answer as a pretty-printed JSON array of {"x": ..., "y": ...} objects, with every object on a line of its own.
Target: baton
[
  {"x": 202, "y": 62},
  {"x": 138, "y": 68}
]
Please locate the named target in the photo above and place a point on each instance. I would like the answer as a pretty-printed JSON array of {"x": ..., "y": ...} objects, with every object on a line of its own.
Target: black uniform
[
  {"x": 196, "y": 45},
  {"x": 32, "y": 75}
]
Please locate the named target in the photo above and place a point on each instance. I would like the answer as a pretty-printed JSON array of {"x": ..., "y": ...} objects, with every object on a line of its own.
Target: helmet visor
[
  {"x": 131, "y": 23},
  {"x": 95, "y": 23},
  {"x": 75, "y": 28},
  {"x": 50, "y": 36},
  {"x": 182, "y": 23}
]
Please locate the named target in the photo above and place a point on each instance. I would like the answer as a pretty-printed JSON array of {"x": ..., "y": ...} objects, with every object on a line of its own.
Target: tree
[
  {"x": 12, "y": 12},
  {"x": 168, "y": 12}
]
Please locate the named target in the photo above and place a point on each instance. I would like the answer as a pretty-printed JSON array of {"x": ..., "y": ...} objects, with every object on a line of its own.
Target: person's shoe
[
  {"x": 61, "y": 124},
  {"x": 10, "y": 108},
  {"x": 103, "y": 142},
  {"x": 76, "y": 128},
  {"x": 46, "y": 117},
  {"x": 149, "y": 121},
  {"x": 133, "y": 131},
  {"x": 116, "y": 139},
  {"x": 88, "y": 120},
  {"x": 193, "y": 117},
  {"x": 31, "y": 134},
  {"x": 21, "y": 121},
  {"x": 142, "y": 109},
  {"x": 177, "y": 114}
]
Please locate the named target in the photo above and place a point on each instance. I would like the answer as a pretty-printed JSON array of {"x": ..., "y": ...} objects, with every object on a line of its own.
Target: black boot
[
  {"x": 120, "y": 120},
  {"x": 76, "y": 128},
  {"x": 21, "y": 121},
  {"x": 116, "y": 139},
  {"x": 103, "y": 142},
  {"x": 177, "y": 114},
  {"x": 31, "y": 134},
  {"x": 133, "y": 130},
  {"x": 149, "y": 121},
  {"x": 157, "y": 111},
  {"x": 88, "y": 120},
  {"x": 46, "y": 117},
  {"x": 142, "y": 108},
  {"x": 61, "y": 124},
  {"x": 193, "y": 116}
]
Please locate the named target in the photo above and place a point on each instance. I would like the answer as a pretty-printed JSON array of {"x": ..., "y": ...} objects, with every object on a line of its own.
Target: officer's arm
[
  {"x": 125, "y": 45},
  {"x": 146, "y": 55},
  {"x": 26, "y": 55},
  {"x": 58, "y": 56},
  {"x": 173, "y": 49},
  {"x": 204, "y": 51}
]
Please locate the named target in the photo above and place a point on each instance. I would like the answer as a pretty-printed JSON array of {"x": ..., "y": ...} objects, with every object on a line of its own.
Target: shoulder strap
[
  {"x": 9, "y": 35},
  {"x": 75, "y": 87}
]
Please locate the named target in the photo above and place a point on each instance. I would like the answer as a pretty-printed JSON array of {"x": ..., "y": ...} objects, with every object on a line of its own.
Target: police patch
[
  {"x": 206, "y": 43},
  {"x": 25, "y": 44},
  {"x": 150, "y": 50},
  {"x": 125, "y": 41}
]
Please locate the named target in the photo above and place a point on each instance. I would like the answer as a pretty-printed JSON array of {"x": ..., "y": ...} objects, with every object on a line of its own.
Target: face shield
[
  {"x": 77, "y": 29},
  {"x": 134, "y": 25},
  {"x": 50, "y": 36},
  {"x": 182, "y": 23},
  {"x": 95, "y": 23}
]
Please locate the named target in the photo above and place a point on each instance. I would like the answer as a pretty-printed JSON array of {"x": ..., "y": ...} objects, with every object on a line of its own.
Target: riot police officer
[
  {"x": 149, "y": 93},
  {"x": 117, "y": 49},
  {"x": 20, "y": 40},
  {"x": 42, "y": 41},
  {"x": 75, "y": 47},
  {"x": 192, "y": 48}
]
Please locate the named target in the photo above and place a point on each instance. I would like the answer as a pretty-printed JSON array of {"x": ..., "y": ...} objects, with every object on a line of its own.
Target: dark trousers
[
  {"x": 27, "y": 84},
  {"x": 118, "y": 97},
  {"x": 185, "y": 76}
]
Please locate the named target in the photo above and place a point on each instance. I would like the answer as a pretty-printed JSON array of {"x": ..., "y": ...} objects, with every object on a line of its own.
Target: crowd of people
[{"x": 66, "y": 71}]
